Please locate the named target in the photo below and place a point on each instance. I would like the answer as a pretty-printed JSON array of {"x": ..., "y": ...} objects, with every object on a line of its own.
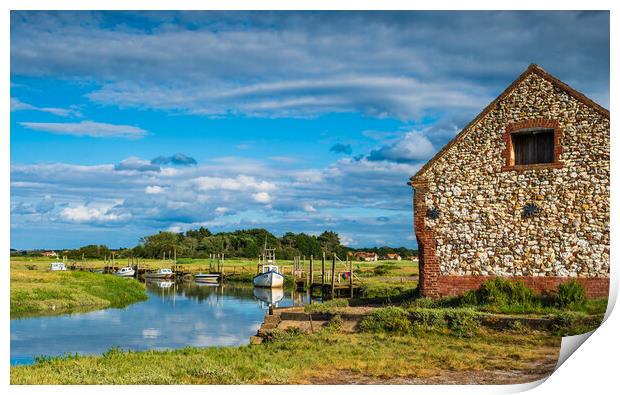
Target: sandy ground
[{"x": 537, "y": 371}]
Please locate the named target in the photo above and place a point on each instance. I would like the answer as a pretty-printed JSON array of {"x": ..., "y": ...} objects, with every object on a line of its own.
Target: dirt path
[{"x": 536, "y": 372}]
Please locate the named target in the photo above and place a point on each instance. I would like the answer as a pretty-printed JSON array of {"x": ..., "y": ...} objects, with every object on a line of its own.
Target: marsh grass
[
  {"x": 331, "y": 306},
  {"x": 300, "y": 358},
  {"x": 44, "y": 293}
]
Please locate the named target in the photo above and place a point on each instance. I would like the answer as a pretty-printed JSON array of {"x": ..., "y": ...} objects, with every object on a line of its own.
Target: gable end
[{"x": 418, "y": 178}]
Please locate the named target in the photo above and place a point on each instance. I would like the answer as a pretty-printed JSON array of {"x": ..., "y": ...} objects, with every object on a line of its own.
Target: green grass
[
  {"x": 242, "y": 269},
  {"x": 330, "y": 306},
  {"x": 294, "y": 358},
  {"x": 35, "y": 292}
]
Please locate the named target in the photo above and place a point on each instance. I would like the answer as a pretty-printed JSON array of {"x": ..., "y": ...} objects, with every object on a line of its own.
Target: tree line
[{"x": 248, "y": 243}]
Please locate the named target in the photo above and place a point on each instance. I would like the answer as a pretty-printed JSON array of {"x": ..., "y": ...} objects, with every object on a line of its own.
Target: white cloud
[
  {"x": 261, "y": 197},
  {"x": 82, "y": 213},
  {"x": 238, "y": 183},
  {"x": 88, "y": 128},
  {"x": 154, "y": 190},
  {"x": 413, "y": 147},
  {"x": 346, "y": 240},
  {"x": 309, "y": 208},
  {"x": 18, "y": 105},
  {"x": 222, "y": 210},
  {"x": 136, "y": 164}
]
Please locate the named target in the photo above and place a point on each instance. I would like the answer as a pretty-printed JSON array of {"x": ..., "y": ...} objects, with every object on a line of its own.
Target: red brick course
[{"x": 596, "y": 287}]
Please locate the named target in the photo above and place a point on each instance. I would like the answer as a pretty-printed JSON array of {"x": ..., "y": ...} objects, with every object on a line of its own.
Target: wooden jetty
[{"x": 329, "y": 283}]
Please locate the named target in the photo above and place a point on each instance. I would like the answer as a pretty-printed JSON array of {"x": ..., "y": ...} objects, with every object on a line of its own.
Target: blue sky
[{"x": 124, "y": 124}]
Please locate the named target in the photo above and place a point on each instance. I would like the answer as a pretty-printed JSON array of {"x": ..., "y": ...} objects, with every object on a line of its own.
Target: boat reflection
[
  {"x": 269, "y": 296},
  {"x": 153, "y": 283}
]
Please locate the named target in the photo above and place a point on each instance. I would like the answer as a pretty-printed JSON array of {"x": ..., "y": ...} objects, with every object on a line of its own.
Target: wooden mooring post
[
  {"x": 311, "y": 274},
  {"x": 333, "y": 276},
  {"x": 350, "y": 276},
  {"x": 323, "y": 275}
]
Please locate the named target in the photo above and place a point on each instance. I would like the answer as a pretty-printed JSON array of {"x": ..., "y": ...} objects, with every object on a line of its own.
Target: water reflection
[
  {"x": 269, "y": 296},
  {"x": 175, "y": 315}
]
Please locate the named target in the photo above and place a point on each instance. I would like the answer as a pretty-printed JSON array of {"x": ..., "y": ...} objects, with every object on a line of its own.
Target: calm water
[{"x": 174, "y": 316}]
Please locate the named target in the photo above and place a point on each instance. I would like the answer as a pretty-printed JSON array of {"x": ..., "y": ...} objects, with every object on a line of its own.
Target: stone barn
[{"x": 521, "y": 192}]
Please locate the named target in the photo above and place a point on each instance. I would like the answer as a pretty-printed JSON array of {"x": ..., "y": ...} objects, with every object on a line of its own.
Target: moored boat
[
  {"x": 57, "y": 266},
  {"x": 206, "y": 277},
  {"x": 269, "y": 278},
  {"x": 127, "y": 271},
  {"x": 161, "y": 273}
]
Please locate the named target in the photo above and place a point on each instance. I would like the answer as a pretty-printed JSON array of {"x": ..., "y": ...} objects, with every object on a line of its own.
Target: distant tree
[
  {"x": 199, "y": 233},
  {"x": 163, "y": 242},
  {"x": 330, "y": 241}
]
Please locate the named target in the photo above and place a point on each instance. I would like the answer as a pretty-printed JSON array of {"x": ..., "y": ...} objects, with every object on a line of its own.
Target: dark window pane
[{"x": 533, "y": 147}]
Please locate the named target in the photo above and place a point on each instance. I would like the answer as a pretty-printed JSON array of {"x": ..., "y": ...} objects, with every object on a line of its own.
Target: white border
[{"x": 592, "y": 368}]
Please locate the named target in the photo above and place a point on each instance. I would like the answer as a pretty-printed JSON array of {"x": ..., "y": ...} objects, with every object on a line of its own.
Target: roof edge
[{"x": 532, "y": 69}]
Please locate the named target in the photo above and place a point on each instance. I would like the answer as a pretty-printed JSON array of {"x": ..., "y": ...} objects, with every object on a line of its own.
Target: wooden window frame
[{"x": 520, "y": 127}]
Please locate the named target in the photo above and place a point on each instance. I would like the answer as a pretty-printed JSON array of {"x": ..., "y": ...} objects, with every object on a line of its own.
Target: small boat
[
  {"x": 125, "y": 272},
  {"x": 161, "y": 273},
  {"x": 57, "y": 266},
  {"x": 206, "y": 277},
  {"x": 269, "y": 278}
]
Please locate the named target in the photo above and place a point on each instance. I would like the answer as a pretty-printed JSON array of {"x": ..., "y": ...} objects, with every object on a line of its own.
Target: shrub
[
  {"x": 387, "y": 319},
  {"x": 382, "y": 270},
  {"x": 500, "y": 292},
  {"x": 462, "y": 322},
  {"x": 372, "y": 291},
  {"x": 428, "y": 318},
  {"x": 334, "y": 324},
  {"x": 424, "y": 303},
  {"x": 285, "y": 334},
  {"x": 570, "y": 295}
]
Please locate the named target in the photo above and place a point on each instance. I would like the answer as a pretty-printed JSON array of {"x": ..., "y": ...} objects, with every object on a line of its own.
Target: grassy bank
[
  {"x": 38, "y": 292},
  {"x": 323, "y": 357}
]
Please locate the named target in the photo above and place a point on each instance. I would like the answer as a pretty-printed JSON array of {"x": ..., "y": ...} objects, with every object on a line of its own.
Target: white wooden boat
[
  {"x": 125, "y": 272},
  {"x": 161, "y": 273},
  {"x": 57, "y": 266},
  {"x": 206, "y": 277},
  {"x": 269, "y": 278}
]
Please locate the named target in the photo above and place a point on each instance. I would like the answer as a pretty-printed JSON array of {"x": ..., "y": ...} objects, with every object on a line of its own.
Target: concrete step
[
  {"x": 269, "y": 326},
  {"x": 262, "y": 333},
  {"x": 272, "y": 319}
]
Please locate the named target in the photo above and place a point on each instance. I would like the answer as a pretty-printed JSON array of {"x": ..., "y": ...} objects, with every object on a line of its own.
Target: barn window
[{"x": 532, "y": 147}]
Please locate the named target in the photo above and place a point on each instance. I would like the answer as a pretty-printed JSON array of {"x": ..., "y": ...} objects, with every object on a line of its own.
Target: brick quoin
[{"x": 428, "y": 261}]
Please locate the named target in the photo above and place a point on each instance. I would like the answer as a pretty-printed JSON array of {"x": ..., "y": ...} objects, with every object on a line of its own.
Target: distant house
[
  {"x": 393, "y": 257},
  {"x": 366, "y": 256},
  {"x": 521, "y": 192},
  {"x": 50, "y": 254}
]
